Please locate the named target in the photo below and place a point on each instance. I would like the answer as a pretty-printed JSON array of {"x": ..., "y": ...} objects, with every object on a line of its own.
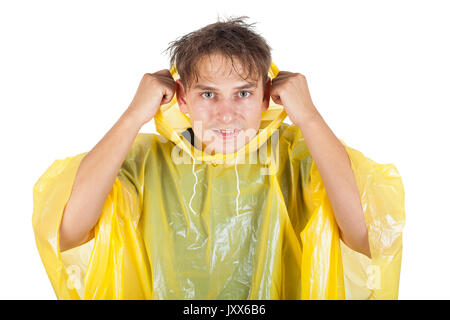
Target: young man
[{"x": 223, "y": 90}]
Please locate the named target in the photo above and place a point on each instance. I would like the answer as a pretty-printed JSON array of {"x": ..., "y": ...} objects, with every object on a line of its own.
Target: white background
[{"x": 378, "y": 72}]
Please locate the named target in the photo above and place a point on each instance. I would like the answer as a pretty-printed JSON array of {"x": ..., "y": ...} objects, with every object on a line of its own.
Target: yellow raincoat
[{"x": 256, "y": 224}]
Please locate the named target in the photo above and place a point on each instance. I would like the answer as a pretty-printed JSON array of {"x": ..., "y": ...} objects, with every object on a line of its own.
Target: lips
[{"x": 227, "y": 133}]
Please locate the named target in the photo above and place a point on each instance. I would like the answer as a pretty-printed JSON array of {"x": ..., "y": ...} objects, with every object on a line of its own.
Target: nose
[{"x": 226, "y": 111}]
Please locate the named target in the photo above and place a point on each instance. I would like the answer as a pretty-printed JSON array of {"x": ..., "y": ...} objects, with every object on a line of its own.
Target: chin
[{"x": 229, "y": 148}]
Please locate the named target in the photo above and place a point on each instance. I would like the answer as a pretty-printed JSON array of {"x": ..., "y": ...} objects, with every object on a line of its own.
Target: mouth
[{"x": 227, "y": 133}]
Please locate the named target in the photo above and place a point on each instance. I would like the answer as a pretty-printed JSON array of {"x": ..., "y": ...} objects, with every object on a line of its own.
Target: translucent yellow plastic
[{"x": 213, "y": 228}]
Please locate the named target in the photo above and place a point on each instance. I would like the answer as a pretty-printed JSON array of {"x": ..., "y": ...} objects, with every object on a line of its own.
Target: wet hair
[{"x": 232, "y": 38}]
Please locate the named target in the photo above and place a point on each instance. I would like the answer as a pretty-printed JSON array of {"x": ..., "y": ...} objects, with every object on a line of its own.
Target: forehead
[{"x": 217, "y": 68}]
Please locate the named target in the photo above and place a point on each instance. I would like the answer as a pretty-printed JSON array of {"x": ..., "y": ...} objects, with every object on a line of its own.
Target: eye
[
  {"x": 245, "y": 96},
  {"x": 208, "y": 92}
]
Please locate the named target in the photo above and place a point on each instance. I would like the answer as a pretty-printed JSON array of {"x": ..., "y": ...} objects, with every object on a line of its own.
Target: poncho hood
[{"x": 171, "y": 122}]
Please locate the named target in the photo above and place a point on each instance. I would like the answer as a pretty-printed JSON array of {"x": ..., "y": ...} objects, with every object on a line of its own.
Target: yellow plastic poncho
[{"x": 181, "y": 224}]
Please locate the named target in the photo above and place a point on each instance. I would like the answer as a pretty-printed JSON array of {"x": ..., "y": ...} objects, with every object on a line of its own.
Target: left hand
[{"x": 291, "y": 91}]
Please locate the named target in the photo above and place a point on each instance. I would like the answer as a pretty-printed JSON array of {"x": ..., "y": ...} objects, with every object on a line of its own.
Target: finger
[
  {"x": 276, "y": 98},
  {"x": 163, "y": 72},
  {"x": 169, "y": 83},
  {"x": 168, "y": 96},
  {"x": 282, "y": 74}
]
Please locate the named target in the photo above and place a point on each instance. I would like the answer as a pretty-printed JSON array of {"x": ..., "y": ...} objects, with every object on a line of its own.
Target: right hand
[{"x": 155, "y": 89}]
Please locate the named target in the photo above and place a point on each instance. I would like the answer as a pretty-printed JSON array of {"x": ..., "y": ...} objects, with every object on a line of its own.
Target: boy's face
[{"x": 224, "y": 110}]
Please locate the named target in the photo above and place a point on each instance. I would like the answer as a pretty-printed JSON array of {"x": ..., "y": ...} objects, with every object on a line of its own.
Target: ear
[
  {"x": 266, "y": 93},
  {"x": 181, "y": 96}
]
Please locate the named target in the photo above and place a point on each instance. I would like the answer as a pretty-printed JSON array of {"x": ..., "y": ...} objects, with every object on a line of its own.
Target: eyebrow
[{"x": 248, "y": 85}]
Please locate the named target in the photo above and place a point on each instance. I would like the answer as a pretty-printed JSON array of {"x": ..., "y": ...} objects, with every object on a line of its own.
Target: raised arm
[{"x": 99, "y": 168}]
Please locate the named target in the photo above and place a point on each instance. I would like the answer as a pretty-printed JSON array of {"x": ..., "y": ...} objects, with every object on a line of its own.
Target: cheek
[
  {"x": 252, "y": 114},
  {"x": 200, "y": 117},
  {"x": 254, "y": 122}
]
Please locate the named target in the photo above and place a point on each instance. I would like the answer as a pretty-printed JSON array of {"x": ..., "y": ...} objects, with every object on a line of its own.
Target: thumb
[
  {"x": 167, "y": 96},
  {"x": 276, "y": 98}
]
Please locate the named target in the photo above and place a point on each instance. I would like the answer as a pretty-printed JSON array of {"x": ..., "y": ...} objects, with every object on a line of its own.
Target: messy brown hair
[{"x": 232, "y": 38}]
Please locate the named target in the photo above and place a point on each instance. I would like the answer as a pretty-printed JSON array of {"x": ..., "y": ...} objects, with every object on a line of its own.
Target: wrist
[
  {"x": 309, "y": 117},
  {"x": 132, "y": 118}
]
